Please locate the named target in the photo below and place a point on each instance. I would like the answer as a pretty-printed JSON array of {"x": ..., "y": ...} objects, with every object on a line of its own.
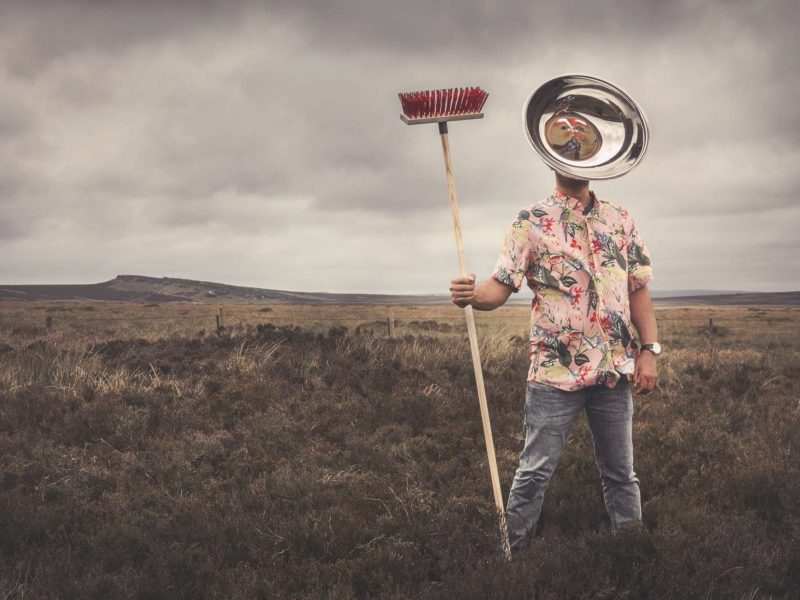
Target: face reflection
[{"x": 572, "y": 136}]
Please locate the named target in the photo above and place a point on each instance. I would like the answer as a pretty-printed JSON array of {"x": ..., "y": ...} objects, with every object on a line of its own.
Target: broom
[{"x": 441, "y": 106}]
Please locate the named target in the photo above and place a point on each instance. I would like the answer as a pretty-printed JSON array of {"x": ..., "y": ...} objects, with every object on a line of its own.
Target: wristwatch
[{"x": 655, "y": 348}]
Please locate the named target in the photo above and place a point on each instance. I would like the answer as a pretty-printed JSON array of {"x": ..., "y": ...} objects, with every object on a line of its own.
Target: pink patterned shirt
[{"x": 581, "y": 268}]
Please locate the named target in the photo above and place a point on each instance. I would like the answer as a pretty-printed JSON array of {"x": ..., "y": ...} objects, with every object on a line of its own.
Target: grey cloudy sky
[{"x": 258, "y": 143}]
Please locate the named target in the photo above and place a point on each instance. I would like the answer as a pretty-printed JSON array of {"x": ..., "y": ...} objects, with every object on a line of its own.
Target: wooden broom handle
[{"x": 473, "y": 342}]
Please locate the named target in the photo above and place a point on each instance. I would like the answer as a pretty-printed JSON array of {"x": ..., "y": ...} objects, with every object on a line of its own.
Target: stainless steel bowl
[{"x": 586, "y": 128}]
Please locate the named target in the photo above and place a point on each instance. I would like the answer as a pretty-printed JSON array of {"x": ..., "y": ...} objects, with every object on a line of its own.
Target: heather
[{"x": 297, "y": 455}]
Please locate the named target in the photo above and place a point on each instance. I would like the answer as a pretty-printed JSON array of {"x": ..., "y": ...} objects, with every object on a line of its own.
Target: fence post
[
  {"x": 710, "y": 324},
  {"x": 390, "y": 324},
  {"x": 219, "y": 324},
  {"x": 48, "y": 322}
]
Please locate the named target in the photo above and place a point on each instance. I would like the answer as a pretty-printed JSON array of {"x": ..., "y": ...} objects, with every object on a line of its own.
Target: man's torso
[{"x": 581, "y": 269}]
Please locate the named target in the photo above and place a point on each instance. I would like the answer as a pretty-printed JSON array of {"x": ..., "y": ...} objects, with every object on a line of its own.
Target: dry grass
[{"x": 143, "y": 456}]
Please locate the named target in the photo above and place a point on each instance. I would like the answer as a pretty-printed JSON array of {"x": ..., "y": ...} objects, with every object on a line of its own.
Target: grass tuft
[{"x": 335, "y": 462}]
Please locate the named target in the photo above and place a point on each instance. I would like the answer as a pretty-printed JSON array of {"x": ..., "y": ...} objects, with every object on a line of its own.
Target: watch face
[{"x": 655, "y": 348}]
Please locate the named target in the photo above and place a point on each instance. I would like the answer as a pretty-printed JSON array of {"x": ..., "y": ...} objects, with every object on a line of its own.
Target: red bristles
[{"x": 443, "y": 103}]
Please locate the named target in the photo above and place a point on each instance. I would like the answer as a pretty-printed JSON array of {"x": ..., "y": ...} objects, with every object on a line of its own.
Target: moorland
[{"x": 301, "y": 451}]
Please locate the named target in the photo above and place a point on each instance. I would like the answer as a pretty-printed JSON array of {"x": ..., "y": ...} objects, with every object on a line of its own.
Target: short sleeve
[
  {"x": 515, "y": 253},
  {"x": 640, "y": 271}
]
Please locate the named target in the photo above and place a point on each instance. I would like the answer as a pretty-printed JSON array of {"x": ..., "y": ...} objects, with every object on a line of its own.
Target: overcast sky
[{"x": 259, "y": 143}]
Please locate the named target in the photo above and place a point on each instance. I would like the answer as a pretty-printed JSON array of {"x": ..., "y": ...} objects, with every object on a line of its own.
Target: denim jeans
[{"x": 549, "y": 415}]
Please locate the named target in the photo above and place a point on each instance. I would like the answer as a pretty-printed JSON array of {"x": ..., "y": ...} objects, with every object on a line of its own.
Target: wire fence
[
  {"x": 224, "y": 319},
  {"x": 289, "y": 318}
]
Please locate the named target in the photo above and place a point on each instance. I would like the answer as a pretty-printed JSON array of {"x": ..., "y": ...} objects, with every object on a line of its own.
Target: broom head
[{"x": 436, "y": 106}]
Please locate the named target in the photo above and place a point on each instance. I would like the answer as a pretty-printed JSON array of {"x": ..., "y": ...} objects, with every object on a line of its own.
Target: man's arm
[
  {"x": 487, "y": 295},
  {"x": 645, "y": 375}
]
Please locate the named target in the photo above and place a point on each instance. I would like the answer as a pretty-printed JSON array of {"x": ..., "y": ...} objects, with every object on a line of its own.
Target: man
[{"x": 592, "y": 328}]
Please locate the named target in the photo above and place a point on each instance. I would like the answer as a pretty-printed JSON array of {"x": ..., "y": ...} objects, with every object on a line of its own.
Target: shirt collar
[{"x": 573, "y": 203}]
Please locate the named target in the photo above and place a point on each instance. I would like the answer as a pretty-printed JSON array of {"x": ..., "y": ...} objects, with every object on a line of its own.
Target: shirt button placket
[{"x": 600, "y": 308}]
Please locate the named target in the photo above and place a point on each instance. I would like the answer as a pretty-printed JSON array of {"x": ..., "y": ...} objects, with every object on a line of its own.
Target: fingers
[
  {"x": 462, "y": 298},
  {"x": 645, "y": 384},
  {"x": 645, "y": 375},
  {"x": 468, "y": 280},
  {"x": 647, "y": 387},
  {"x": 462, "y": 289}
]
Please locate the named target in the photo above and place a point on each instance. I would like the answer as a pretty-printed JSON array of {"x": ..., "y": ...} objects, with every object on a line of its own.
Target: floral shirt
[{"x": 581, "y": 268}]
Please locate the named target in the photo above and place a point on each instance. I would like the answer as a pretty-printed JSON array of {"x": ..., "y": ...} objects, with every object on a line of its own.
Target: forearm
[
  {"x": 487, "y": 296},
  {"x": 643, "y": 315}
]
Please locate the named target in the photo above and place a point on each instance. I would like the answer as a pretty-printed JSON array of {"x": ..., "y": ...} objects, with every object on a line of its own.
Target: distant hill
[
  {"x": 140, "y": 288},
  {"x": 735, "y": 299},
  {"x": 681, "y": 293}
]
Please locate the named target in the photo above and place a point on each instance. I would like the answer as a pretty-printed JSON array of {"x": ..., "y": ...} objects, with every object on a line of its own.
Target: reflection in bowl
[{"x": 586, "y": 128}]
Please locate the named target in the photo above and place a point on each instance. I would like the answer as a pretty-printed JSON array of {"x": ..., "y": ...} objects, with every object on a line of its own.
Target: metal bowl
[{"x": 586, "y": 128}]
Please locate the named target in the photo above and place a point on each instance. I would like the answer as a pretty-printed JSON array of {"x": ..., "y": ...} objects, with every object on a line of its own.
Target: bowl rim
[{"x": 612, "y": 170}]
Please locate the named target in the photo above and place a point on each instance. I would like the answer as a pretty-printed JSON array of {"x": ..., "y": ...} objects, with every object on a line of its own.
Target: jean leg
[
  {"x": 549, "y": 415},
  {"x": 610, "y": 416}
]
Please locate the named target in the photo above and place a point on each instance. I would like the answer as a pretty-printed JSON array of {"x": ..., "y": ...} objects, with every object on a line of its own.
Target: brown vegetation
[{"x": 143, "y": 456}]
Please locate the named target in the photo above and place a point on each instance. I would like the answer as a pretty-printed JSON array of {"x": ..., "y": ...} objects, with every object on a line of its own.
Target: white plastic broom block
[{"x": 408, "y": 121}]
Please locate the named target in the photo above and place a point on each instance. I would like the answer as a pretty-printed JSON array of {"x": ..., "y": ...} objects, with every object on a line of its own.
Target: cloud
[{"x": 260, "y": 143}]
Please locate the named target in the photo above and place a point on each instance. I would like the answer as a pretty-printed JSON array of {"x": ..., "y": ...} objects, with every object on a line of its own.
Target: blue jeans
[{"x": 549, "y": 416}]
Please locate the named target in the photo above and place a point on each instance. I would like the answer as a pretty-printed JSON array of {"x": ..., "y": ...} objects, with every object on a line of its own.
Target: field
[{"x": 303, "y": 452}]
